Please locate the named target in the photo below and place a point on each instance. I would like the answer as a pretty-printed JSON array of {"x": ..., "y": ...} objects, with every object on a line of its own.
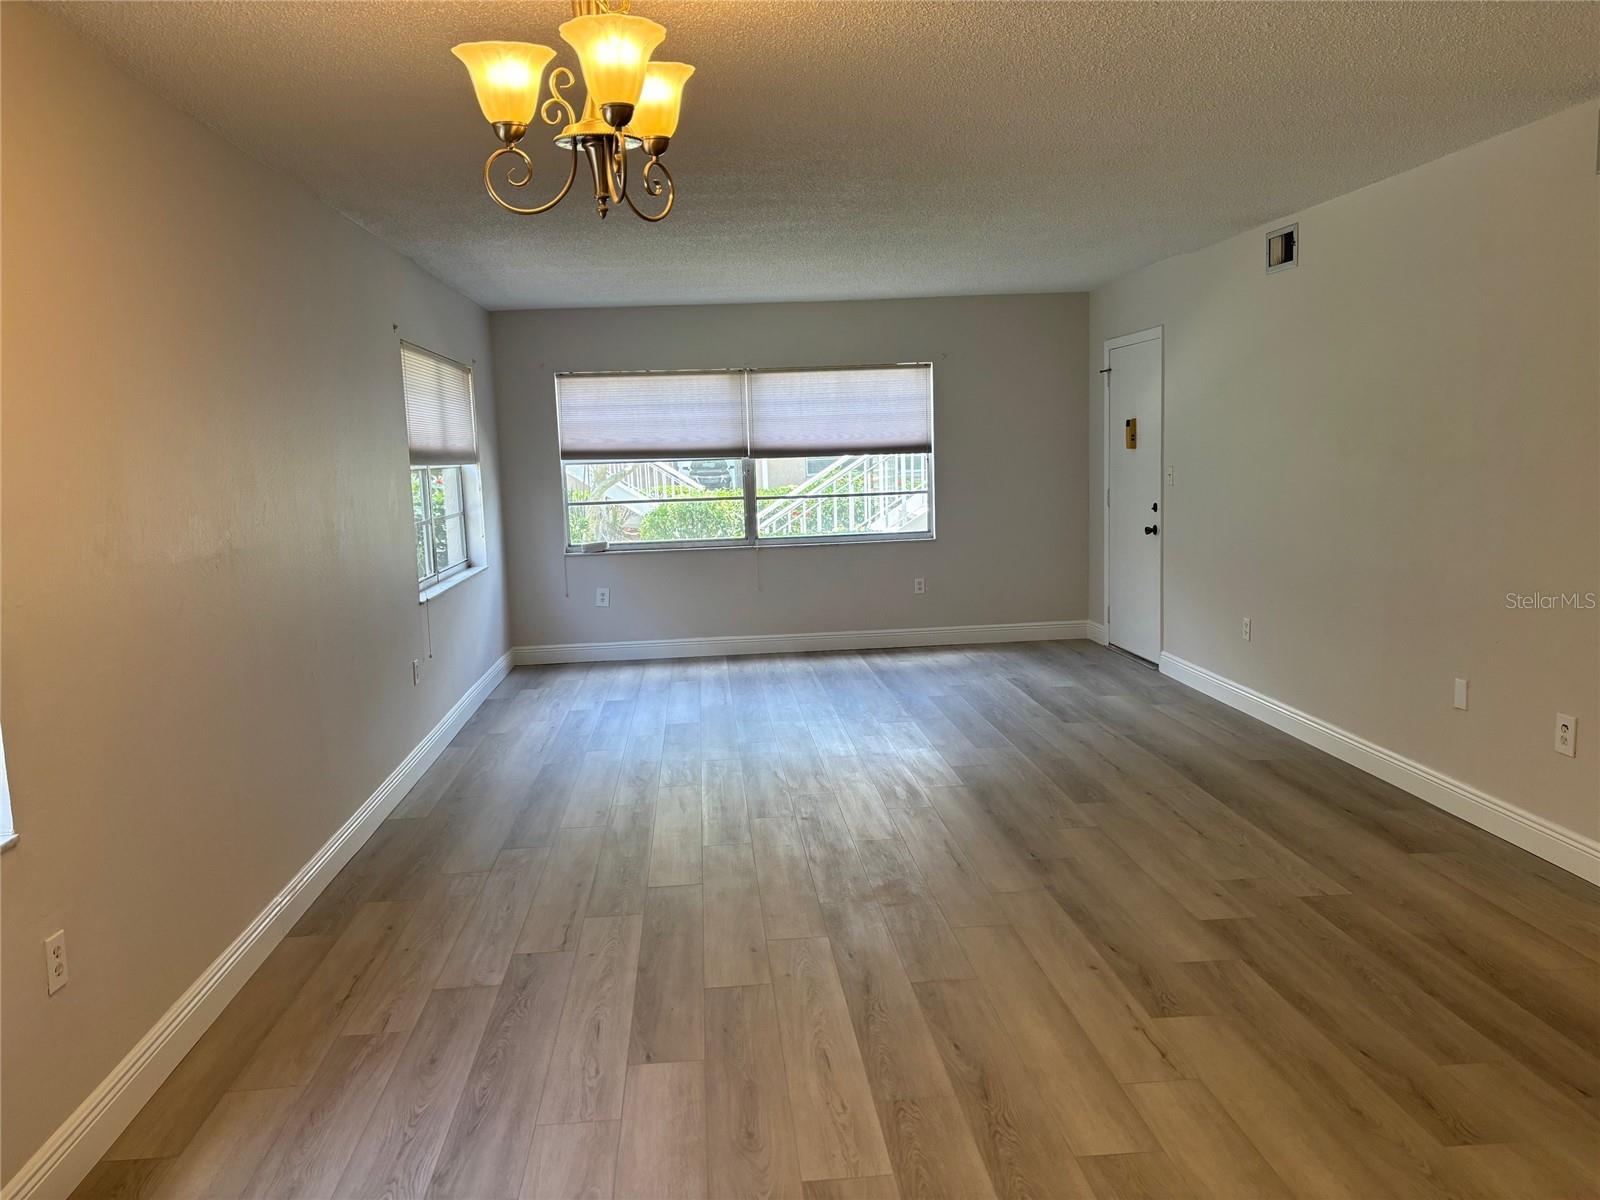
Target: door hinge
[{"x": 1108, "y": 497}]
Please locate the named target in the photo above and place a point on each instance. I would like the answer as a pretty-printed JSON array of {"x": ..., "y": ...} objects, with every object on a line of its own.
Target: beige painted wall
[
  {"x": 1372, "y": 449},
  {"x": 1009, "y": 417},
  {"x": 209, "y": 594}
]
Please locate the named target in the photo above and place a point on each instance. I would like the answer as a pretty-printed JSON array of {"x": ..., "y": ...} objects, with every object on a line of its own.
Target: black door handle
[{"x": 1149, "y": 528}]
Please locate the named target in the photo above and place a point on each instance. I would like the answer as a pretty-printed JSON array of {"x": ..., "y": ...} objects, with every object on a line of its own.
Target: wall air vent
[{"x": 1283, "y": 248}]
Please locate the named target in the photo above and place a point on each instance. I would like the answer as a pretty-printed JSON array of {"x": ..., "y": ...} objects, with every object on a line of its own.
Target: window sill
[
  {"x": 8, "y": 840},
  {"x": 444, "y": 586},
  {"x": 767, "y": 544}
]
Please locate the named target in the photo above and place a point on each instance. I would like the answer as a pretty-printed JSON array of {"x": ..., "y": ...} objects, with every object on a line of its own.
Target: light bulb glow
[
  {"x": 508, "y": 73},
  {"x": 660, "y": 100},
  {"x": 616, "y": 52},
  {"x": 613, "y": 50}
]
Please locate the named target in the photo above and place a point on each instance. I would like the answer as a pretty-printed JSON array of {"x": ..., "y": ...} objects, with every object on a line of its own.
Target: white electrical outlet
[
  {"x": 1245, "y": 632},
  {"x": 55, "y": 962},
  {"x": 1461, "y": 694},
  {"x": 602, "y": 597},
  {"x": 919, "y": 585},
  {"x": 1566, "y": 735}
]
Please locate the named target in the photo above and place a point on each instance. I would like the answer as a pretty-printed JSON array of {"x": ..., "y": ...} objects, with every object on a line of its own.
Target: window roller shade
[
  {"x": 852, "y": 410},
  {"x": 439, "y": 418},
  {"x": 669, "y": 415}
]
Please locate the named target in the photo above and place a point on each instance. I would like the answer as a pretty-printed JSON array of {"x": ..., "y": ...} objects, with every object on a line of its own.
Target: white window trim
[
  {"x": 427, "y": 582},
  {"x": 450, "y": 581},
  {"x": 843, "y": 539},
  {"x": 474, "y": 530}
]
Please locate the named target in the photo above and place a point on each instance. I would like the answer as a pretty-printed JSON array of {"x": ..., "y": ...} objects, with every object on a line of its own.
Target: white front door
[{"x": 1133, "y": 496}]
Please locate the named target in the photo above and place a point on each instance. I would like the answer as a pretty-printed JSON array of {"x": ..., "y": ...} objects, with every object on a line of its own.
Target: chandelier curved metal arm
[
  {"x": 607, "y": 154},
  {"x": 653, "y": 187},
  {"x": 556, "y": 110},
  {"x": 633, "y": 103},
  {"x": 550, "y": 112},
  {"x": 527, "y": 176}
]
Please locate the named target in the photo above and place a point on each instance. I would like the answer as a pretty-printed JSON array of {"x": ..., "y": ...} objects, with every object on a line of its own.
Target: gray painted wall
[
  {"x": 1372, "y": 449},
  {"x": 210, "y": 604},
  {"x": 1011, "y": 470},
  {"x": 209, "y": 608}
]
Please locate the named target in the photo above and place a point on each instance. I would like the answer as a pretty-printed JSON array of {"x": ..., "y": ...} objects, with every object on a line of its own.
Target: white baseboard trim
[
  {"x": 794, "y": 643},
  {"x": 1096, "y": 632},
  {"x": 1567, "y": 849},
  {"x": 72, "y": 1150}
]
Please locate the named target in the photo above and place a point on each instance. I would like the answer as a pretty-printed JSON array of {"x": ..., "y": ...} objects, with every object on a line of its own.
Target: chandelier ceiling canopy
[{"x": 632, "y": 103}]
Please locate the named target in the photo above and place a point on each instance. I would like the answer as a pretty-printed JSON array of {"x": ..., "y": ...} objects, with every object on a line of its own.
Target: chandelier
[{"x": 632, "y": 104}]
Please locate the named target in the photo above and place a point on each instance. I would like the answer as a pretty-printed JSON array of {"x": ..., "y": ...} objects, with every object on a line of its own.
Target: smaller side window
[
  {"x": 439, "y": 507},
  {"x": 446, "y": 494}
]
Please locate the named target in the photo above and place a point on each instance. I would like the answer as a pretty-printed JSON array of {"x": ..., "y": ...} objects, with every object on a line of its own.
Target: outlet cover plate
[
  {"x": 1566, "y": 735},
  {"x": 55, "y": 962}
]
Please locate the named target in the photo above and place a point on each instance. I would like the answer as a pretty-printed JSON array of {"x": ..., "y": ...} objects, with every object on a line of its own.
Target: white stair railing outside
[
  {"x": 823, "y": 505},
  {"x": 845, "y": 497},
  {"x": 644, "y": 481}
]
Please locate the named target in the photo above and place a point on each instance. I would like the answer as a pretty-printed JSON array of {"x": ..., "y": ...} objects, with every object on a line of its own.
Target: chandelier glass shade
[
  {"x": 656, "y": 114},
  {"x": 614, "y": 51},
  {"x": 506, "y": 77},
  {"x": 632, "y": 103}
]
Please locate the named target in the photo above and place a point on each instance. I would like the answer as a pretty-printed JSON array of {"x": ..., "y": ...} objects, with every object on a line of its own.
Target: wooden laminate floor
[{"x": 1008, "y": 920}]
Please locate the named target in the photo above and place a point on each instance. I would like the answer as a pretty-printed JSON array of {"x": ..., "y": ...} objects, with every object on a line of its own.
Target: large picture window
[{"x": 719, "y": 458}]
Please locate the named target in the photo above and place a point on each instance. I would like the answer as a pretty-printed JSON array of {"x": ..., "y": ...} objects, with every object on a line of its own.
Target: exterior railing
[
  {"x": 640, "y": 480},
  {"x": 854, "y": 494},
  {"x": 849, "y": 496},
  {"x": 826, "y": 516}
]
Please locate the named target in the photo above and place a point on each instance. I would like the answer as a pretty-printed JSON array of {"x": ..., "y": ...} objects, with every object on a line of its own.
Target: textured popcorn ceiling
[{"x": 871, "y": 149}]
